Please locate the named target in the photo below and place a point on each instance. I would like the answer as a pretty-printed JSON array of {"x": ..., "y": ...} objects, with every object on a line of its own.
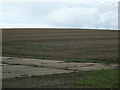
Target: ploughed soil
[
  {"x": 54, "y": 49},
  {"x": 61, "y": 44}
]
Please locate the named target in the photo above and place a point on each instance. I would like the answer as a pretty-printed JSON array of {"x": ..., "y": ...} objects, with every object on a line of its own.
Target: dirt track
[{"x": 23, "y": 67}]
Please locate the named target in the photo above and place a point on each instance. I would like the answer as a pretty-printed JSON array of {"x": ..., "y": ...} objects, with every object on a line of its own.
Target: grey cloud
[{"x": 61, "y": 14}]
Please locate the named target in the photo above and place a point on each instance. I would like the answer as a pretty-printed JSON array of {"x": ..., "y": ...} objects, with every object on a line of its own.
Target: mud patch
[
  {"x": 11, "y": 71},
  {"x": 23, "y": 67}
]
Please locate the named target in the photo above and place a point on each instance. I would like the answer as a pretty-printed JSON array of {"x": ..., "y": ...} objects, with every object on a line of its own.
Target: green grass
[
  {"x": 92, "y": 61},
  {"x": 98, "y": 79},
  {"x": 81, "y": 79}
]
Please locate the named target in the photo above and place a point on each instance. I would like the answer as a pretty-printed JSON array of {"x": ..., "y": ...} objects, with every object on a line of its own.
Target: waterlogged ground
[
  {"x": 37, "y": 73},
  {"x": 22, "y": 67},
  {"x": 55, "y": 49}
]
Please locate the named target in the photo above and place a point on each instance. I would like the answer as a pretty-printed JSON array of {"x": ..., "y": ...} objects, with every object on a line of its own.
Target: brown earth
[
  {"x": 53, "y": 47},
  {"x": 61, "y": 44}
]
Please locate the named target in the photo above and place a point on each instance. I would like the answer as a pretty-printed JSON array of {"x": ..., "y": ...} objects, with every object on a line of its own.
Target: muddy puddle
[{"x": 24, "y": 67}]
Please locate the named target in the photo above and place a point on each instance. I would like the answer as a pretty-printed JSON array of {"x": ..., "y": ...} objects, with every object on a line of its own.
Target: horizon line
[{"x": 59, "y": 28}]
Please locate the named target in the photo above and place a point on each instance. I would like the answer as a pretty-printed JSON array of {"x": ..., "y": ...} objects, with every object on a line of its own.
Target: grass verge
[
  {"x": 82, "y": 79},
  {"x": 98, "y": 79}
]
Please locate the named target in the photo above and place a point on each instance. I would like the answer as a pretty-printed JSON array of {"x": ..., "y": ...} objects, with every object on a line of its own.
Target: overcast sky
[{"x": 82, "y": 14}]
